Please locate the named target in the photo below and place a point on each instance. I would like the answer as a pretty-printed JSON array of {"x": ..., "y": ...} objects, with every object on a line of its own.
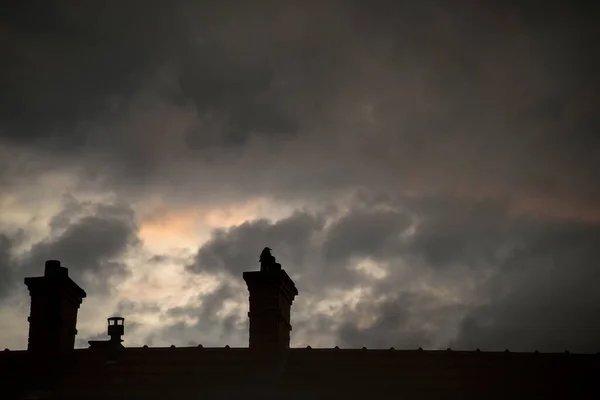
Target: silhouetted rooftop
[
  {"x": 171, "y": 372},
  {"x": 268, "y": 368}
]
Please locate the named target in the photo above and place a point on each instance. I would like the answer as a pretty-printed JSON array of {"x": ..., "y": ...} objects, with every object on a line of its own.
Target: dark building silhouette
[
  {"x": 55, "y": 300},
  {"x": 271, "y": 297},
  {"x": 268, "y": 369}
]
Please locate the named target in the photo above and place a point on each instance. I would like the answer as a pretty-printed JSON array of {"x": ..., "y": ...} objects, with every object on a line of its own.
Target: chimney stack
[
  {"x": 272, "y": 293},
  {"x": 55, "y": 300}
]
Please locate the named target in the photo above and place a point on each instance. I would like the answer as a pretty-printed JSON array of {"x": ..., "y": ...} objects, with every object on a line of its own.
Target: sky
[{"x": 427, "y": 172}]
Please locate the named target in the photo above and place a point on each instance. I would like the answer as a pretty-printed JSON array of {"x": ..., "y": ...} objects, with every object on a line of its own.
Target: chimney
[
  {"x": 272, "y": 292},
  {"x": 55, "y": 300}
]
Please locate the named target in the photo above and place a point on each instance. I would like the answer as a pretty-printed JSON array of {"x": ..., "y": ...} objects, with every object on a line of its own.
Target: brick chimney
[
  {"x": 271, "y": 295},
  {"x": 55, "y": 300}
]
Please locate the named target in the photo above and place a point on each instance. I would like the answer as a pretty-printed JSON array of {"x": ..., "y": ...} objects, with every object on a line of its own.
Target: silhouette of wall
[
  {"x": 55, "y": 300},
  {"x": 271, "y": 296}
]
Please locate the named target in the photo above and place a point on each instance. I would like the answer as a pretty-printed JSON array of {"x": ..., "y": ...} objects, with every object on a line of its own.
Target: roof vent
[
  {"x": 227, "y": 346},
  {"x": 308, "y": 347},
  {"x": 507, "y": 351},
  {"x": 364, "y": 348},
  {"x": 145, "y": 346},
  {"x": 448, "y": 349},
  {"x": 336, "y": 348},
  {"x": 392, "y": 349},
  {"x": 116, "y": 328},
  {"x": 477, "y": 351},
  {"x": 6, "y": 349},
  {"x": 420, "y": 349},
  {"x": 200, "y": 346},
  {"x": 172, "y": 346},
  {"x": 536, "y": 352}
]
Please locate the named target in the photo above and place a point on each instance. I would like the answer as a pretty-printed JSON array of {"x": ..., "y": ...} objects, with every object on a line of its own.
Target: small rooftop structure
[{"x": 116, "y": 329}]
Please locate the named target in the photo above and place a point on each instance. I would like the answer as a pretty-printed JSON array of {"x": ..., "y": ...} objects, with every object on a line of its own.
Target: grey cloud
[
  {"x": 409, "y": 95},
  {"x": 234, "y": 249},
  {"x": 67, "y": 62},
  {"x": 210, "y": 328},
  {"x": 306, "y": 102},
  {"x": 179, "y": 258},
  {"x": 90, "y": 246},
  {"x": 209, "y": 304},
  {"x": 317, "y": 255},
  {"x": 544, "y": 297},
  {"x": 126, "y": 307},
  {"x": 366, "y": 233},
  {"x": 392, "y": 327},
  {"x": 234, "y": 99},
  {"x": 6, "y": 261},
  {"x": 9, "y": 263},
  {"x": 529, "y": 282},
  {"x": 454, "y": 231}
]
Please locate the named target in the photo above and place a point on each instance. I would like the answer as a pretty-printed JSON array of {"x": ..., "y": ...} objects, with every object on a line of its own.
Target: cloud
[
  {"x": 210, "y": 319},
  {"x": 499, "y": 281},
  {"x": 9, "y": 264},
  {"x": 470, "y": 129},
  {"x": 50, "y": 62},
  {"x": 543, "y": 296},
  {"x": 234, "y": 99},
  {"x": 6, "y": 269},
  {"x": 393, "y": 99},
  {"x": 392, "y": 326},
  {"x": 90, "y": 240},
  {"x": 233, "y": 250},
  {"x": 365, "y": 233}
]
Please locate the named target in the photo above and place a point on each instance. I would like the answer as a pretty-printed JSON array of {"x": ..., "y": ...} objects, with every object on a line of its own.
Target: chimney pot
[{"x": 54, "y": 270}]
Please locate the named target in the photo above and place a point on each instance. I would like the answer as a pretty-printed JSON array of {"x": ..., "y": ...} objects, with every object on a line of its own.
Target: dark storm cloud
[
  {"x": 9, "y": 264},
  {"x": 458, "y": 231},
  {"x": 535, "y": 277},
  {"x": 540, "y": 294},
  {"x": 6, "y": 261},
  {"x": 209, "y": 304},
  {"x": 412, "y": 95},
  {"x": 365, "y": 233},
  {"x": 293, "y": 101},
  {"x": 210, "y": 328},
  {"x": 316, "y": 254},
  {"x": 90, "y": 246},
  {"x": 235, "y": 99},
  {"x": 544, "y": 296},
  {"x": 233, "y": 250},
  {"x": 392, "y": 327},
  {"x": 66, "y": 62}
]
